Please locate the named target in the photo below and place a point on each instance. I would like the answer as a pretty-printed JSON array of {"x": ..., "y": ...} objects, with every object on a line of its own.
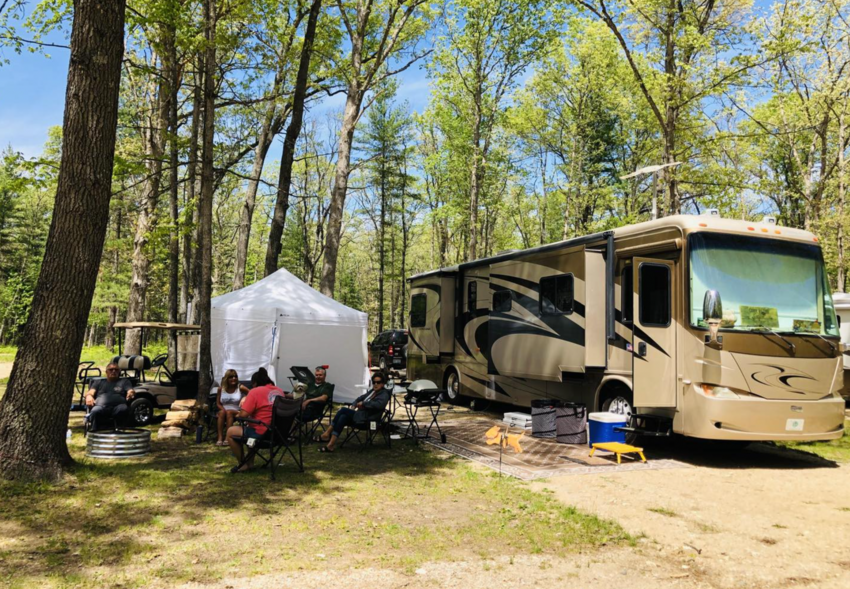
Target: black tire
[
  {"x": 141, "y": 411},
  {"x": 620, "y": 401},
  {"x": 382, "y": 364},
  {"x": 452, "y": 386}
]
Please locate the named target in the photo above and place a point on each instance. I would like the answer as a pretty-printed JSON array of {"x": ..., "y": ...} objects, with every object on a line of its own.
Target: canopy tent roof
[{"x": 282, "y": 296}]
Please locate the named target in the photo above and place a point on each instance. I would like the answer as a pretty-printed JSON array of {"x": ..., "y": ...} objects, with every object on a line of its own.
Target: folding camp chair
[
  {"x": 87, "y": 374},
  {"x": 105, "y": 423},
  {"x": 278, "y": 441},
  {"x": 371, "y": 429},
  {"x": 310, "y": 429}
]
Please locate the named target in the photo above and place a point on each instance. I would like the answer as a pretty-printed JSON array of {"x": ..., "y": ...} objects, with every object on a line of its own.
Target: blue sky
[{"x": 32, "y": 98}]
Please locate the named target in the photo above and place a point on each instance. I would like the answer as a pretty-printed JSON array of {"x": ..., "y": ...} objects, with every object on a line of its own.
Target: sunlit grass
[{"x": 837, "y": 450}]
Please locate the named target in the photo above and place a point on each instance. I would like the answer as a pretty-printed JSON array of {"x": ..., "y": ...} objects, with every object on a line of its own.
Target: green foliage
[{"x": 24, "y": 221}]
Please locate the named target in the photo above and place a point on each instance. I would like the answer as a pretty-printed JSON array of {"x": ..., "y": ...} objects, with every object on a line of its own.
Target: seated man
[
  {"x": 318, "y": 394},
  {"x": 108, "y": 398},
  {"x": 365, "y": 408}
]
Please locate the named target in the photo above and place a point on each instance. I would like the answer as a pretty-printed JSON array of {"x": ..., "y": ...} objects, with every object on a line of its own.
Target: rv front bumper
[{"x": 757, "y": 419}]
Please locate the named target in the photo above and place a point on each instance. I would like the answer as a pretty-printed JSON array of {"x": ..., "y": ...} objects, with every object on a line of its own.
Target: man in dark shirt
[
  {"x": 109, "y": 397},
  {"x": 318, "y": 394}
]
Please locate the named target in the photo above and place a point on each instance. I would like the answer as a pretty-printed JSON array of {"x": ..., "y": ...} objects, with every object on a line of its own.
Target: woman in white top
[{"x": 228, "y": 399}]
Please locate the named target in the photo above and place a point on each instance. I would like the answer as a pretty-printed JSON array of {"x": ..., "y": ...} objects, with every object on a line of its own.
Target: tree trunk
[
  {"x": 381, "y": 237},
  {"x": 188, "y": 290},
  {"x": 474, "y": 189},
  {"x": 34, "y": 410},
  {"x": 153, "y": 139},
  {"x": 842, "y": 190},
  {"x": 173, "y": 70},
  {"x": 205, "y": 210},
  {"x": 340, "y": 188},
  {"x": 116, "y": 266},
  {"x": 292, "y": 131},
  {"x": 243, "y": 237}
]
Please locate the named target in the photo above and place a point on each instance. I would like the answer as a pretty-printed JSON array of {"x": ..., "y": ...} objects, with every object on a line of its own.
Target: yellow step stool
[{"x": 618, "y": 449}]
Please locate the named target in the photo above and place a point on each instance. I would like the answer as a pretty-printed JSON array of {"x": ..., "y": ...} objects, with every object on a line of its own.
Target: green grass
[
  {"x": 663, "y": 511},
  {"x": 100, "y": 355},
  {"x": 179, "y": 516},
  {"x": 837, "y": 450}
]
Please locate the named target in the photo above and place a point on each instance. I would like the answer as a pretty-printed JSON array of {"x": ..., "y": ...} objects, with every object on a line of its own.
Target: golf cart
[{"x": 166, "y": 386}]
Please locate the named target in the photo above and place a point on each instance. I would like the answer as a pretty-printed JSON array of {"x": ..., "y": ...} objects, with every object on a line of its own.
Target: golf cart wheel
[
  {"x": 141, "y": 411},
  {"x": 452, "y": 394}
]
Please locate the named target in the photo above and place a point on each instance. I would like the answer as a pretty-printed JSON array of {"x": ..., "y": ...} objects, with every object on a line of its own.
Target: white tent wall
[
  {"x": 280, "y": 322},
  {"x": 243, "y": 345},
  {"x": 335, "y": 345}
]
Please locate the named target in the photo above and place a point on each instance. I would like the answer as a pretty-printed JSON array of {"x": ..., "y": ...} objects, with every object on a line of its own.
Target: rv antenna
[{"x": 654, "y": 171}]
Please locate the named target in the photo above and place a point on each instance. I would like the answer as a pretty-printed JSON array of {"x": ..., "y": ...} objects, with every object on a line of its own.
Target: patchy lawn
[
  {"x": 180, "y": 516},
  {"x": 837, "y": 450}
]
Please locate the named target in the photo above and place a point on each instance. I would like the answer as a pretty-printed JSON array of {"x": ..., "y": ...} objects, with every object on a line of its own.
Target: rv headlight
[{"x": 719, "y": 392}]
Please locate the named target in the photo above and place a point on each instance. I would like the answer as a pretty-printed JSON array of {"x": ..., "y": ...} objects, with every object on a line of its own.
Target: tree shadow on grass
[{"x": 105, "y": 508}]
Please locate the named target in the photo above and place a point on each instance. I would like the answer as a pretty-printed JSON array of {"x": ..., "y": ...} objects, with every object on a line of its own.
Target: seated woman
[
  {"x": 227, "y": 399},
  {"x": 365, "y": 408},
  {"x": 318, "y": 394},
  {"x": 257, "y": 405}
]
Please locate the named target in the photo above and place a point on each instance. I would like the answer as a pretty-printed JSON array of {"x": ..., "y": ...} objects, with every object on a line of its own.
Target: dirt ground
[
  {"x": 761, "y": 517},
  {"x": 5, "y": 369}
]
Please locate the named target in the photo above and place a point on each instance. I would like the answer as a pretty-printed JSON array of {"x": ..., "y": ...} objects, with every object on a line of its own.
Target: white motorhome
[{"x": 702, "y": 326}]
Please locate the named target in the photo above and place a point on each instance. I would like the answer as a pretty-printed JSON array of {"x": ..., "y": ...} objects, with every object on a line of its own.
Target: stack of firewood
[{"x": 182, "y": 417}]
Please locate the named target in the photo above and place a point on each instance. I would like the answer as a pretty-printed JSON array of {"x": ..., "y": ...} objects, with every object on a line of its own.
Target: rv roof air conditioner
[
  {"x": 770, "y": 220},
  {"x": 712, "y": 212}
]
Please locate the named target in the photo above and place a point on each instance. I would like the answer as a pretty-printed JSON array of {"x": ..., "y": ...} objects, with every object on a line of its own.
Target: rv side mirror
[{"x": 712, "y": 313}]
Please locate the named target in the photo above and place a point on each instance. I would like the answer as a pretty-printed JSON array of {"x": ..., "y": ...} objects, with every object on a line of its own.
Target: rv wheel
[
  {"x": 620, "y": 402},
  {"x": 452, "y": 394}
]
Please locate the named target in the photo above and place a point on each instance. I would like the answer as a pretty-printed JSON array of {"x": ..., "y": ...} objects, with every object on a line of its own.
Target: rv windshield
[{"x": 763, "y": 283}]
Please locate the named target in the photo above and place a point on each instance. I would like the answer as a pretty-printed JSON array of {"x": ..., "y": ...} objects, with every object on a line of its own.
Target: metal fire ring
[{"x": 127, "y": 443}]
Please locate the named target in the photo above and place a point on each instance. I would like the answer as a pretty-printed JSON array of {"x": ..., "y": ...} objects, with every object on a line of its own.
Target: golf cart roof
[{"x": 157, "y": 325}]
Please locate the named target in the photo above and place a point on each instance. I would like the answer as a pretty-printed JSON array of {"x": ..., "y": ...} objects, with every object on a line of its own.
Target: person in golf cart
[
  {"x": 318, "y": 394},
  {"x": 108, "y": 398}
]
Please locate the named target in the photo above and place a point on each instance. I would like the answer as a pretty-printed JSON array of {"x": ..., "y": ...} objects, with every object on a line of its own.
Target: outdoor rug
[{"x": 540, "y": 457}]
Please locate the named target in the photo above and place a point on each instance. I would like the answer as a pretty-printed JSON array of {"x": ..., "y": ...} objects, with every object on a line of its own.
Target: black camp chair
[
  {"x": 87, "y": 373},
  {"x": 318, "y": 426},
  {"x": 366, "y": 433},
  {"x": 211, "y": 414},
  {"x": 278, "y": 440}
]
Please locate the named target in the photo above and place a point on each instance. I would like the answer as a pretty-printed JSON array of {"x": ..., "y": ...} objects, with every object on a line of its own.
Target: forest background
[{"x": 534, "y": 111}]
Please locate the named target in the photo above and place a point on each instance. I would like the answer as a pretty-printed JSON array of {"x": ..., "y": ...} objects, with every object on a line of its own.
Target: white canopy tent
[{"x": 280, "y": 322}]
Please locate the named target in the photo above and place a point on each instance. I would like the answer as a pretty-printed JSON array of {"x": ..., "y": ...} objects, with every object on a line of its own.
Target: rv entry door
[{"x": 654, "y": 336}]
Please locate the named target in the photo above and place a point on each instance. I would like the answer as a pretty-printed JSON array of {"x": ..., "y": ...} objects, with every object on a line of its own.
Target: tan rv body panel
[{"x": 518, "y": 353}]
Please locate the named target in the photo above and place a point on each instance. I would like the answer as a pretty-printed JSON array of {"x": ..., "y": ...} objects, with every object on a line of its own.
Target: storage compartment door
[{"x": 654, "y": 339}]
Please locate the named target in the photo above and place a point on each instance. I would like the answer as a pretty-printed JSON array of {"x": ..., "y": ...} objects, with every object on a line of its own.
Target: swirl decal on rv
[{"x": 778, "y": 376}]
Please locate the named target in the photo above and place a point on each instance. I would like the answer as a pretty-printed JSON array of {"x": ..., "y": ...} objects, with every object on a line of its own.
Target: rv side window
[
  {"x": 471, "y": 296},
  {"x": 417, "y": 310},
  {"x": 556, "y": 295},
  {"x": 627, "y": 302},
  {"x": 654, "y": 283},
  {"x": 502, "y": 301}
]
